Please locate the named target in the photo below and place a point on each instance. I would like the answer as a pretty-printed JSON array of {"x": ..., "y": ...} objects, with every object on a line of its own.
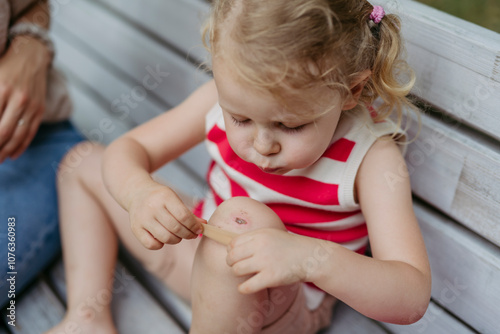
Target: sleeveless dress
[{"x": 317, "y": 201}]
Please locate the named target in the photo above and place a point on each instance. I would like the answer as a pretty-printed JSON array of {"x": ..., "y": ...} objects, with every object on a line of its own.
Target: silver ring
[{"x": 20, "y": 122}]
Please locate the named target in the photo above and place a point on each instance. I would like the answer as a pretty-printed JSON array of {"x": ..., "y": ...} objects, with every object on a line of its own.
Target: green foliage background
[{"x": 485, "y": 13}]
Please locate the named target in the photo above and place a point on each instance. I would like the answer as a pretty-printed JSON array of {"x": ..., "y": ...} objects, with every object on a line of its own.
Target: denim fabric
[{"x": 28, "y": 194}]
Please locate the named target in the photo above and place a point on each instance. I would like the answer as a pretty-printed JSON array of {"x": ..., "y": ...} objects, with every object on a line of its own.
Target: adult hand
[
  {"x": 274, "y": 257},
  {"x": 23, "y": 85}
]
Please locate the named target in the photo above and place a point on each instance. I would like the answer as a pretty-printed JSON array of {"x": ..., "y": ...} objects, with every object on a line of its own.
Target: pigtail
[{"x": 392, "y": 78}]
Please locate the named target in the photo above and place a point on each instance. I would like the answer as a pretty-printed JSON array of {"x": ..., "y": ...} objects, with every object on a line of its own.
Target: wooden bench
[{"x": 128, "y": 63}]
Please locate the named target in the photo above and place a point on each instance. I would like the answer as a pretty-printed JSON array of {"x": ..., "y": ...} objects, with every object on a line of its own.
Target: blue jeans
[{"x": 28, "y": 203}]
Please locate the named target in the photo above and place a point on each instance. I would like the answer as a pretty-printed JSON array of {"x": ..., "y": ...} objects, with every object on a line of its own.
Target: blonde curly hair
[{"x": 304, "y": 44}]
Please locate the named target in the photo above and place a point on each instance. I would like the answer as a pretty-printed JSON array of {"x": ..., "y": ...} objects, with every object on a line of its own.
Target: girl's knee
[
  {"x": 243, "y": 214},
  {"x": 82, "y": 158}
]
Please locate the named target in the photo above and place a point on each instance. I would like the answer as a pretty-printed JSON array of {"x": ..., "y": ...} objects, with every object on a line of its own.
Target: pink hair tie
[{"x": 377, "y": 14}]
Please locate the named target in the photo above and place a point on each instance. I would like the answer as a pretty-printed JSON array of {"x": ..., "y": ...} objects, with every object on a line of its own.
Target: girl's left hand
[{"x": 275, "y": 257}]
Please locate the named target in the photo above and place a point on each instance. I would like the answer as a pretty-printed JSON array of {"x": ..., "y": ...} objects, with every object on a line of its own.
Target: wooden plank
[
  {"x": 37, "y": 310},
  {"x": 184, "y": 17},
  {"x": 91, "y": 120},
  {"x": 134, "y": 310},
  {"x": 179, "y": 309},
  {"x": 118, "y": 93},
  {"x": 457, "y": 63},
  {"x": 458, "y": 172},
  {"x": 465, "y": 270},
  {"x": 111, "y": 39},
  {"x": 347, "y": 320},
  {"x": 435, "y": 320}
]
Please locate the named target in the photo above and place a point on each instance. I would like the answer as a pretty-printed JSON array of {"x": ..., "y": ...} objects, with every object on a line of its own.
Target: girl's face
[{"x": 261, "y": 131}]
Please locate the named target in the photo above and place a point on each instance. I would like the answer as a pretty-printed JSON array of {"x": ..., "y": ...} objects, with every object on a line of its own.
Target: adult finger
[
  {"x": 21, "y": 134},
  {"x": 4, "y": 97},
  {"x": 11, "y": 116},
  {"x": 33, "y": 129}
]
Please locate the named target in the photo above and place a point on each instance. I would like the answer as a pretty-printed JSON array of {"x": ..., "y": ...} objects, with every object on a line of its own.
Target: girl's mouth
[{"x": 270, "y": 170}]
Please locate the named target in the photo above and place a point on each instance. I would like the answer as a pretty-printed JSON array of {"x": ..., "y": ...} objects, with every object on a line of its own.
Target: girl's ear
[{"x": 356, "y": 89}]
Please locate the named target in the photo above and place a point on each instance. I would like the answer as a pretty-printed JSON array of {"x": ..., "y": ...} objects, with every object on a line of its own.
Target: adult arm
[{"x": 23, "y": 85}]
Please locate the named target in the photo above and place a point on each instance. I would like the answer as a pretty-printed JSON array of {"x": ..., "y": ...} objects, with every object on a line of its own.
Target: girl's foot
[{"x": 84, "y": 324}]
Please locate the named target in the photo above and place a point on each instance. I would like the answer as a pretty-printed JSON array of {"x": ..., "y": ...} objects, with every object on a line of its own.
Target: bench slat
[
  {"x": 456, "y": 62},
  {"x": 109, "y": 38},
  {"x": 347, "y": 320},
  {"x": 170, "y": 301},
  {"x": 465, "y": 270},
  {"x": 458, "y": 172},
  {"x": 189, "y": 15},
  {"x": 435, "y": 320},
  {"x": 74, "y": 59},
  {"x": 134, "y": 310},
  {"x": 37, "y": 311}
]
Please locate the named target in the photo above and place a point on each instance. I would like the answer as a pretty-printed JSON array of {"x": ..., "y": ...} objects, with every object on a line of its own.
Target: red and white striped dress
[{"x": 317, "y": 201}]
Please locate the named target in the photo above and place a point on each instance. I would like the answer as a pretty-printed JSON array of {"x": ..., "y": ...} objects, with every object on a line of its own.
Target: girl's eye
[
  {"x": 292, "y": 130},
  {"x": 238, "y": 122}
]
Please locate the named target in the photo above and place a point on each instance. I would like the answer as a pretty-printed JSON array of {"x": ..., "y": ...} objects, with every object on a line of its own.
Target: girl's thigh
[{"x": 28, "y": 200}]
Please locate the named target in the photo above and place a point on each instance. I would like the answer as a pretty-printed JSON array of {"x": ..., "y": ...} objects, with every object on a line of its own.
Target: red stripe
[
  {"x": 340, "y": 150},
  {"x": 335, "y": 236},
  {"x": 198, "y": 209},
  {"x": 295, "y": 186},
  {"x": 295, "y": 214}
]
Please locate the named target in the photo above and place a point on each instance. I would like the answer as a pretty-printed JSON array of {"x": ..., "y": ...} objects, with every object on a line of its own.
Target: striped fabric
[{"x": 317, "y": 201}]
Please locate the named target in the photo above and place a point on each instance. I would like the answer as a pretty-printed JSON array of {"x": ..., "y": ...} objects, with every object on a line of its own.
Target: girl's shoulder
[{"x": 359, "y": 127}]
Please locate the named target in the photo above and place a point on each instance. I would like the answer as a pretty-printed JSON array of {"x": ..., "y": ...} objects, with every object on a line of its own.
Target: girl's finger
[
  {"x": 169, "y": 221},
  {"x": 147, "y": 240},
  {"x": 239, "y": 253},
  {"x": 246, "y": 267},
  {"x": 184, "y": 216},
  {"x": 254, "y": 284},
  {"x": 162, "y": 234}
]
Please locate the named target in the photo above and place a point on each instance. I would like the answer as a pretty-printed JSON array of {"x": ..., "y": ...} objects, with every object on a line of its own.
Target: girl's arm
[
  {"x": 393, "y": 286},
  {"x": 129, "y": 161}
]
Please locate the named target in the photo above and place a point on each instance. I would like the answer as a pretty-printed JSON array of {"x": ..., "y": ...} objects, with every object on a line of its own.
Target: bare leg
[
  {"x": 89, "y": 247},
  {"x": 217, "y": 305},
  {"x": 91, "y": 222}
]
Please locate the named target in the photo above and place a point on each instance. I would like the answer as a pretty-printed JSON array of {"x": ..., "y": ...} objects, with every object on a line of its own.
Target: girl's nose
[{"x": 265, "y": 144}]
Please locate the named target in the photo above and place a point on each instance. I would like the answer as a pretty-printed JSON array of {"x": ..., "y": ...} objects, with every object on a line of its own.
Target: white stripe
[
  {"x": 209, "y": 206},
  {"x": 325, "y": 170},
  {"x": 342, "y": 224},
  {"x": 355, "y": 244},
  {"x": 220, "y": 183}
]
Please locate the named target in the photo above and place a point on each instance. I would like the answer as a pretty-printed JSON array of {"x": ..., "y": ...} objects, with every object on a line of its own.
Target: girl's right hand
[{"x": 158, "y": 217}]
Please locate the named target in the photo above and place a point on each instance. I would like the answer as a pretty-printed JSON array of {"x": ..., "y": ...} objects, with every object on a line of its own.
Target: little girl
[{"x": 288, "y": 122}]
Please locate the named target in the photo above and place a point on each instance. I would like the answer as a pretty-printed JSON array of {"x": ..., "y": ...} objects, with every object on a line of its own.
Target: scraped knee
[{"x": 243, "y": 214}]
